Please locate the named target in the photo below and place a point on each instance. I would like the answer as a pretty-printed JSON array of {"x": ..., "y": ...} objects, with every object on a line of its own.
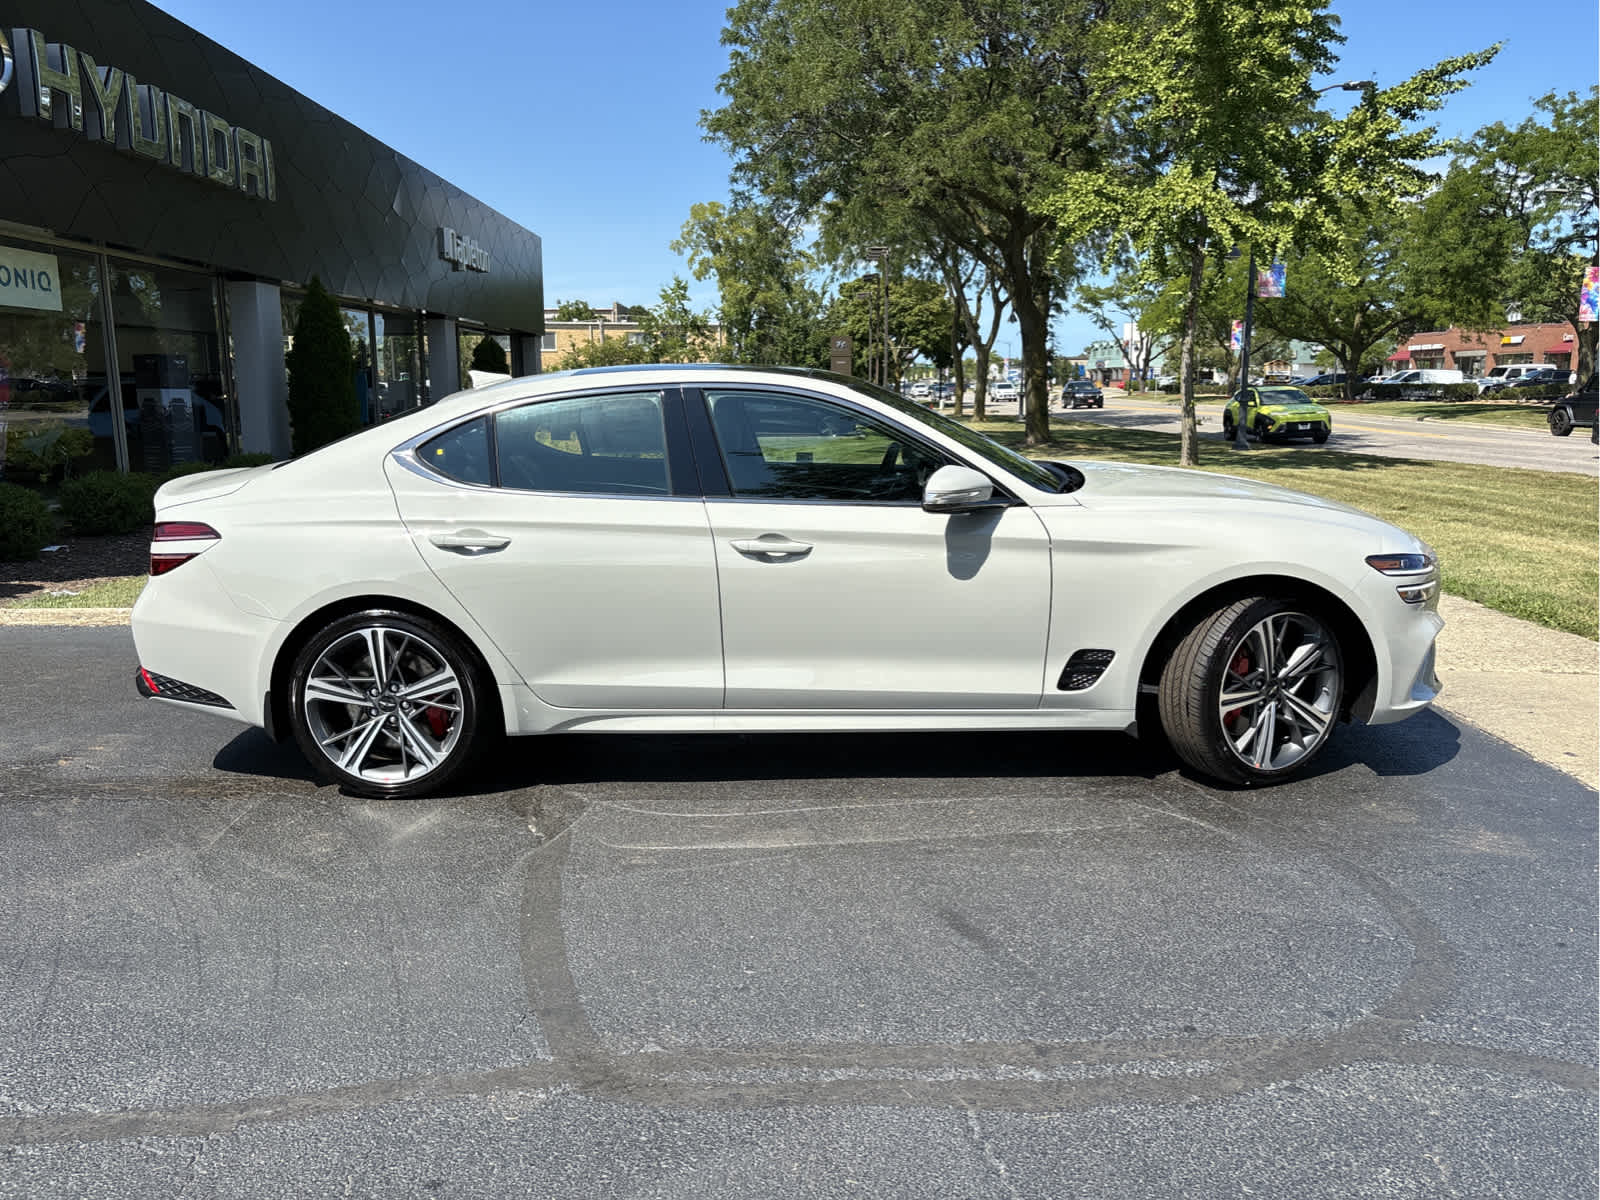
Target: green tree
[
  {"x": 574, "y": 310},
  {"x": 1514, "y": 222},
  {"x": 604, "y": 352},
  {"x": 673, "y": 329},
  {"x": 322, "y": 388},
  {"x": 960, "y": 115},
  {"x": 490, "y": 355},
  {"x": 1130, "y": 297},
  {"x": 1226, "y": 147},
  {"x": 1354, "y": 297},
  {"x": 768, "y": 310}
]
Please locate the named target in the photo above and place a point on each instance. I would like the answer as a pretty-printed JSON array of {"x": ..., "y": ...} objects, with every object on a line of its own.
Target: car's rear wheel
[
  {"x": 386, "y": 704},
  {"x": 1252, "y": 693},
  {"x": 1560, "y": 421}
]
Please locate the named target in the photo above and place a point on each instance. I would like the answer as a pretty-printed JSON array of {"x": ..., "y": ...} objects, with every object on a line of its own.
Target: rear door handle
[
  {"x": 771, "y": 545},
  {"x": 469, "y": 541}
]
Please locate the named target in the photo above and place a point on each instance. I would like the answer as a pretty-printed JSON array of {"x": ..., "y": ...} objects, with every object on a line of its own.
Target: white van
[{"x": 1427, "y": 375}]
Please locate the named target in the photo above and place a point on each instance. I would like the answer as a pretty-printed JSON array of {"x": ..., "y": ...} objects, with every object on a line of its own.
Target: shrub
[
  {"x": 25, "y": 523},
  {"x": 45, "y": 452},
  {"x": 248, "y": 460},
  {"x": 322, "y": 388},
  {"x": 108, "y": 502}
]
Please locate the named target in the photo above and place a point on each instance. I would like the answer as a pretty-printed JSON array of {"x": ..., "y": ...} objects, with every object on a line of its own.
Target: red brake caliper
[
  {"x": 1240, "y": 667},
  {"x": 438, "y": 720}
]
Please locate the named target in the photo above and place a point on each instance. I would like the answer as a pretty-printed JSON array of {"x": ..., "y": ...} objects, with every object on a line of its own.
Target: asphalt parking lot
[{"x": 996, "y": 965}]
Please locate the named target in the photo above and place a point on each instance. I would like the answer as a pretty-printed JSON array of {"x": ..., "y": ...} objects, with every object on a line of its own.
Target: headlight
[{"x": 1422, "y": 591}]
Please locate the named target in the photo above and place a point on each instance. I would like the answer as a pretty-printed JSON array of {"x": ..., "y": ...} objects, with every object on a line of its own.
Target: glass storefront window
[
  {"x": 399, "y": 363},
  {"x": 54, "y": 419},
  {"x": 467, "y": 342},
  {"x": 175, "y": 404}
]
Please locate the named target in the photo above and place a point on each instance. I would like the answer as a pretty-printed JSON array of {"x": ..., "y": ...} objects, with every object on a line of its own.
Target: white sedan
[{"x": 698, "y": 548}]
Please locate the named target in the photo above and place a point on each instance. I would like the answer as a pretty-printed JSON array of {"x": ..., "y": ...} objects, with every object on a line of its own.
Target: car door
[
  {"x": 572, "y": 530},
  {"x": 838, "y": 591}
]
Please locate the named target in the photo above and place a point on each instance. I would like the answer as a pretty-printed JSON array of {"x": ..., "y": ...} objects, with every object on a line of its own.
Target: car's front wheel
[
  {"x": 1252, "y": 693},
  {"x": 1561, "y": 421},
  {"x": 1320, "y": 436},
  {"x": 386, "y": 704}
]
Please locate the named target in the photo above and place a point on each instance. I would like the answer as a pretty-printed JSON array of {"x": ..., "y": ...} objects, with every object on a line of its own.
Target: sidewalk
[{"x": 1532, "y": 687}]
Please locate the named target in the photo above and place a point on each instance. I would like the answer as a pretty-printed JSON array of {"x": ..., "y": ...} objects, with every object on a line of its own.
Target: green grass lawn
[
  {"x": 114, "y": 593},
  {"x": 1524, "y": 542}
]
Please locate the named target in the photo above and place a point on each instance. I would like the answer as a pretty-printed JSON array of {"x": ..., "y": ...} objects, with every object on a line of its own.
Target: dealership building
[{"x": 163, "y": 205}]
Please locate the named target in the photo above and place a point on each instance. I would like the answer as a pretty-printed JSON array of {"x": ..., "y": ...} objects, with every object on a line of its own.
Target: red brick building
[{"x": 1474, "y": 353}]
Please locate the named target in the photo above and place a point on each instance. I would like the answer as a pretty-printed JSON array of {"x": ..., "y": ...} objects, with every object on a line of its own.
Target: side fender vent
[{"x": 1083, "y": 669}]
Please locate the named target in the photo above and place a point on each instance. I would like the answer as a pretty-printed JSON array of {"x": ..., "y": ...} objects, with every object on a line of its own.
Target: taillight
[{"x": 162, "y": 561}]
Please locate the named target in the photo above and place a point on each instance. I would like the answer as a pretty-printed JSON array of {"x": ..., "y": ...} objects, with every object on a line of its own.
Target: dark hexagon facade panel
[{"x": 349, "y": 209}]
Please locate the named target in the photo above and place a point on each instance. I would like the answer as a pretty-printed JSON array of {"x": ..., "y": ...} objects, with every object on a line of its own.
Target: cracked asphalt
[{"x": 968, "y": 966}]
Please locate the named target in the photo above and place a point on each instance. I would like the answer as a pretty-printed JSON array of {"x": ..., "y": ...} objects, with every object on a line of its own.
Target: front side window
[
  {"x": 782, "y": 447},
  {"x": 611, "y": 444}
]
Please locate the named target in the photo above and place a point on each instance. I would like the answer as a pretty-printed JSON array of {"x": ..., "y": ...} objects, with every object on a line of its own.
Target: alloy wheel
[
  {"x": 383, "y": 704},
  {"x": 1280, "y": 691}
]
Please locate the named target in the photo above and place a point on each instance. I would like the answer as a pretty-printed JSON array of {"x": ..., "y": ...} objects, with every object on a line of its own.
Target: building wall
[
  {"x": 335, "y": 202},
  {"x": 1475, "y": 352}
]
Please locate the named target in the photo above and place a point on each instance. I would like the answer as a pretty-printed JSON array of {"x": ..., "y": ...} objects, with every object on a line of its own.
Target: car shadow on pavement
[{"x": 1412, "y": 748}]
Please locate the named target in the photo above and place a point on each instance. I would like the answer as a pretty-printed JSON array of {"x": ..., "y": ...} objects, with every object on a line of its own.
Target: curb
[{"x": 68, "y": 617}]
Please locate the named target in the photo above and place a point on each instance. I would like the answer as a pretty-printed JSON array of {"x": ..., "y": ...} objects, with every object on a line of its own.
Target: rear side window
[
  {"x": 611, "y": 444},
  {"x": 461, "y": 453}
]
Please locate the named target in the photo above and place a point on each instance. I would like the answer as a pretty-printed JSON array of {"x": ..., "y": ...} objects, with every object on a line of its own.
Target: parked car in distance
[
  {"x": 400, "y": 598},
  {"x": 1004, "y": 389},
  {"x": 1499, "y": 377},
  {"x": 1167, "y": 383},
  {"x": 919, "y": 389},
  {"x": 1426, "y": 375},
  {"x": 1082, "y": 393},
  {"x": 1574, "y": 410},
  {"x": 1279, "y": 413},
  {"x": 1555, "y": 377},
  {"x": 1331, "y": 379}
]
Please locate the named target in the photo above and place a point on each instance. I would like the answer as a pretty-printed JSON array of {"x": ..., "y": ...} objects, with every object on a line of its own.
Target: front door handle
[
  {"x": 771, "y": 546},
  {"x": 469, "y": 541}
]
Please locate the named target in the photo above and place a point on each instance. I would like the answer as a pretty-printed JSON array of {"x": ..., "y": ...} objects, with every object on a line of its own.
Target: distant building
[
  {"x": 1475, "y": 353},
  {"x": 617, "y": 321}
]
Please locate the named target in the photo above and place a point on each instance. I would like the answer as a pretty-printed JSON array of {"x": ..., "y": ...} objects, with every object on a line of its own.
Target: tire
[
  {"x": 1291, "y": 706},
  {"x": 404, "y": 729},
  {"x": 1228, "y": 429},
  {"x": 1561, "y": 421},
  {"x": 1320, "y": 436},
  {"x": 1260, "y": 430}
]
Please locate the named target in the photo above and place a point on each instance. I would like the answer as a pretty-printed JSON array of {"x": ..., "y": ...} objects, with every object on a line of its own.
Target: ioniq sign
[{"x": 67, "y": 89}]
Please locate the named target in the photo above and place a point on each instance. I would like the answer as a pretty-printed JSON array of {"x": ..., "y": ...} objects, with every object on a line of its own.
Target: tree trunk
[
  {"x": 980, "y": 382},
  {"x": 1033, "y": 324},
  {"x": 1188, "y": 448}
]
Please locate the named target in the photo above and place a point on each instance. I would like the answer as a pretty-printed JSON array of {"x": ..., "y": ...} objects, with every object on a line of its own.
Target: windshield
[
  {"x": 1024, "y": 469},
  {"x": 1282, "y": 395}
]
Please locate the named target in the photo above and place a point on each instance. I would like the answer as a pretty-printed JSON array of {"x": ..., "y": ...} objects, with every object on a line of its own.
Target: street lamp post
[{"x": 881, "y": 255}]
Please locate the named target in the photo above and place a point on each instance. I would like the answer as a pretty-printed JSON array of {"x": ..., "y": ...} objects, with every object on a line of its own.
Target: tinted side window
[
  {"x": 799, "y": 448},
  {"x": 460, "y": 453},
  {"x": 612, "y": 444}
]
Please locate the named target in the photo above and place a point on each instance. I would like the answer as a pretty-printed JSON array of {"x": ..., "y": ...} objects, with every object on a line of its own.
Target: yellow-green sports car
[{"x": 1279, "y": 413}]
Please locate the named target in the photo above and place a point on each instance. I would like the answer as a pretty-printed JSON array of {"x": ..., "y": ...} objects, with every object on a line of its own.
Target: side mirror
[{"x": 955, "y": 489}]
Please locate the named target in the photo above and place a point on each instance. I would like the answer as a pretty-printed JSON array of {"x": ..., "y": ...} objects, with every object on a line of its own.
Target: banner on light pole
[
  {"x": 1589, "y": 297},
  {"x": 1238, "y": 335},
  {"x": 1269, "y": 282}
]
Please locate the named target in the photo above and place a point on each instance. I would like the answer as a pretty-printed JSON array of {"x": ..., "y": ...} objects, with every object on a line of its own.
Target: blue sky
[{"x": 580, "y": 122}]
